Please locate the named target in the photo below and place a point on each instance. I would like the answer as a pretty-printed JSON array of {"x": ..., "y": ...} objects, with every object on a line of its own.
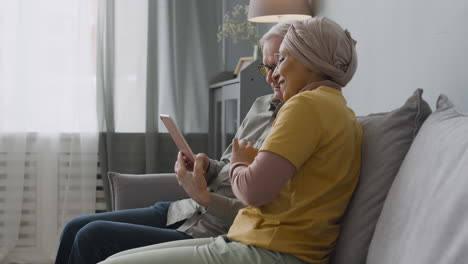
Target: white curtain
[
  {"x": 188, "y": 57},
  {"x": 153, "y": 57},
  {"x": 48, "y": 125},
  {"x": 166, "y": 49}
]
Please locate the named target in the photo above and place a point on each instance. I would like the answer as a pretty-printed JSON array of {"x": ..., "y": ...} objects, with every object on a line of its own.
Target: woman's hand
[
  {"x": 243, "y": 151},
  {"x": 194, "y": 182}
]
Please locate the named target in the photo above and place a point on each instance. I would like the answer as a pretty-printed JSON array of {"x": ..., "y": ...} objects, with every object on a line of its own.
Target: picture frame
[{"x": 243, "y": 62}]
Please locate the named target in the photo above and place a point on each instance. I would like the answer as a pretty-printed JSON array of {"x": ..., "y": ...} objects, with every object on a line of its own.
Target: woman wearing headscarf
[{"x": 298, "y": 184}]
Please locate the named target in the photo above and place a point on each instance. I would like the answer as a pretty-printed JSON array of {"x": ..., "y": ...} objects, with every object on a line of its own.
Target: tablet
[{"x": 178, "y": 138}]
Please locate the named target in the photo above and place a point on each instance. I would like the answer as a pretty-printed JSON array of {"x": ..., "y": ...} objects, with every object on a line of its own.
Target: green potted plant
[{"x": 237, "y": 27}]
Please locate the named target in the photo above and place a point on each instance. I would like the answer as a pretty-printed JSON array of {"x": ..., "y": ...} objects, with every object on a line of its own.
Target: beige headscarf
[{"x": 323, "y": 46}]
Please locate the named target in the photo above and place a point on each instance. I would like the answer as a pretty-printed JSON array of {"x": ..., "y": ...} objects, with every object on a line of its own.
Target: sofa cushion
[
  {"x": 425, "y": 216},
  {"x": 386, "y": 140},
  {"x": 141, "y": 190}
]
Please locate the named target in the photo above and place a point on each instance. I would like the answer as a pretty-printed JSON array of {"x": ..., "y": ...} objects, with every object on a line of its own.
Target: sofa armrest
[{"x": 141, "y": 190}]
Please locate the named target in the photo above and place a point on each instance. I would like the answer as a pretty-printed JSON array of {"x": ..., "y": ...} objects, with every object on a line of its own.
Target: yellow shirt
[{"x": 319, "y": 134}]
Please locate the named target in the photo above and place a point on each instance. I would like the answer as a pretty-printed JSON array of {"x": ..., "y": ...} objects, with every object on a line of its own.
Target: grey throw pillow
[
  {"x": 424, "y": 218},
  {"x": 386, "y": 140}
]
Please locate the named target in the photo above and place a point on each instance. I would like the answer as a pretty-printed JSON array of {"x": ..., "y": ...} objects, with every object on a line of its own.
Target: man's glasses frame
[{"x": 265, "y": 69}]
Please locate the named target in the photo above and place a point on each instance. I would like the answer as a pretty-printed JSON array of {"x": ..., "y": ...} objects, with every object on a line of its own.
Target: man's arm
[
  {"x": 224, "y": 207},
  {"x": 214, "y": 167},
  {"x": 220, "y": 205},
  {"x": 223, "y": 203},
  {"x": 194, "y": 183}
]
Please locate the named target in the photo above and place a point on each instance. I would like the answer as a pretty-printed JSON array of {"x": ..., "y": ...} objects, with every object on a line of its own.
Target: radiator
[{"x": 28, "y": 232}]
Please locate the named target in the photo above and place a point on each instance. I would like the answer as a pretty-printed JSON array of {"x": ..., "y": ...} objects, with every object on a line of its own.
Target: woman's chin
[{"x": 278, "y": 94}]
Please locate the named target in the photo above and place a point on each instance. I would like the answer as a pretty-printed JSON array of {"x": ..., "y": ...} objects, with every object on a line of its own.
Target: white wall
[{"x": 404, "y": 45}]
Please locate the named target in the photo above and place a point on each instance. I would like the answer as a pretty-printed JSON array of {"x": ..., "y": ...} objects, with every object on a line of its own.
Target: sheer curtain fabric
[{"x": 48, "y": 124}]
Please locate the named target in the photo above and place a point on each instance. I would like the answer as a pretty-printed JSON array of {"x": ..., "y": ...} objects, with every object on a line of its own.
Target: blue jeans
[{"x": 93, "y": 238}]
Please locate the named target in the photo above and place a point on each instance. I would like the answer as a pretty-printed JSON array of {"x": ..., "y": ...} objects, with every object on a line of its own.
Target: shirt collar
[{"x": 274, "y": 103}]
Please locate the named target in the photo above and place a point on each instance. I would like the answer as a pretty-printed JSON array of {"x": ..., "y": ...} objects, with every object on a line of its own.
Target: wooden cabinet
[{"x": 229, "y": 103}]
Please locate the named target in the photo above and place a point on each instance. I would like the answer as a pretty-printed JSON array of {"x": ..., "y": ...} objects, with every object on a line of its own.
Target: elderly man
[{"x": 212, "y": 207}]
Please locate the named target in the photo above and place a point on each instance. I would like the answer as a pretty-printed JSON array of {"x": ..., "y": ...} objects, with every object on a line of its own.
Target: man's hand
[
  {"x": 194, "y": 182},
  {"x": 189, "y": 165},
  {"x": 243, "y": 151},
  {"x": 205, "y": 161}
]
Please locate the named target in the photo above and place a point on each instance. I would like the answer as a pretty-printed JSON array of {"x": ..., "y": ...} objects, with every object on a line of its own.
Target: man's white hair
[{"x": 278, "y": 30}]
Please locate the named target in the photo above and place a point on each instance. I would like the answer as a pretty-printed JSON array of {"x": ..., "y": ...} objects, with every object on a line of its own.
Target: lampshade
[{"x": 270, "y": 11}]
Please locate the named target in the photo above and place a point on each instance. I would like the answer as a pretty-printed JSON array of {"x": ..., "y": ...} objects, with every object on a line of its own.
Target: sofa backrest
[
  {"x": 386, "y": 140},
  {"x": 425, "y": 216}
]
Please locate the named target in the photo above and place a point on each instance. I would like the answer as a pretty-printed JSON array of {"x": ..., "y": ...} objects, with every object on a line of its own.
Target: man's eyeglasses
[{"x": 265, "y": 69}]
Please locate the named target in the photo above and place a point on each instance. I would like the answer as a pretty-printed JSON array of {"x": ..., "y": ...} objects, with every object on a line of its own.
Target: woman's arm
[{"x": 260, "y": 182}]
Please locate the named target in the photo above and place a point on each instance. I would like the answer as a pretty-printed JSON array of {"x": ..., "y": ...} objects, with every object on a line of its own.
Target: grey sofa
[{"x": 411, "y": 204}]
